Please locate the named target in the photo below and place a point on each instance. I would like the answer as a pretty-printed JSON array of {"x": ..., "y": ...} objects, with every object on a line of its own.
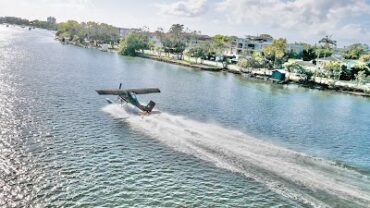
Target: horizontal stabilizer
[{"x": 125, "y": 91}]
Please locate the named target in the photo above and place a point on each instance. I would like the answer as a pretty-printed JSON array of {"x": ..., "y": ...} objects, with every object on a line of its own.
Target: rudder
[{"x": 150, "y": 106}]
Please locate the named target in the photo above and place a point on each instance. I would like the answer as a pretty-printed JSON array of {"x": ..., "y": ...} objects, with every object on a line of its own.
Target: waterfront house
[
  {"x": 198, "y": 39},
  {"x": 306, "y": 65},
  {"x": 124, "y": 31},
  {"x": 155, "y": 40},
  {"x": 353, "y": 64},
  {"x": 248, "y": 45},
  {"x": 322, "y": 61},
  {"x": 296, "y": 48},
  {"x": 350, "y": 63}
]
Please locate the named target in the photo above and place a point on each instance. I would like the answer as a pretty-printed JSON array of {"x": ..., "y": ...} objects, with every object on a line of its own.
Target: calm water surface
[{"x": 220, "y": 141}]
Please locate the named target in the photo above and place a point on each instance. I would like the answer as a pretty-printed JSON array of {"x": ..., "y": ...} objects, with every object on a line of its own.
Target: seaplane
[{"x": 129, "y": 96}]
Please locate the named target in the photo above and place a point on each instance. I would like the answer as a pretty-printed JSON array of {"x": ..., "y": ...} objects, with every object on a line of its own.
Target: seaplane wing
[{"x": 126, "y": 91}]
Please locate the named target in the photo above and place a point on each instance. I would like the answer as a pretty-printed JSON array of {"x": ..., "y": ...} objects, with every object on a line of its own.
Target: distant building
[
  {"x": 198, "y": 39},
  {"x": 155, "y": 40},
  {"x": 297, "y": 48},
  {"x": 51, "y": 20},
  {"x": 306, "y": 65},
  {"x": 323, "y": 61},
  {"x": 124, "y": 31},
  {"x": 248, "y": 45},
  {"x": 351, "y": 63}
]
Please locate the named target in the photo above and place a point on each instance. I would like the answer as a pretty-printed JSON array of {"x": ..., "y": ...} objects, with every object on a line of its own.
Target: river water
[{"x": 219, "y": 140}]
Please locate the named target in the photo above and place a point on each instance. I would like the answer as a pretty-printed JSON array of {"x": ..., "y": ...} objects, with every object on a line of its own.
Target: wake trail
[{"x": 313, "y": 181}]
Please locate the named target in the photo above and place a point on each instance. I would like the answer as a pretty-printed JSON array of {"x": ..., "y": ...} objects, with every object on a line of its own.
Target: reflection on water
[{"x": 59, "y": 149}]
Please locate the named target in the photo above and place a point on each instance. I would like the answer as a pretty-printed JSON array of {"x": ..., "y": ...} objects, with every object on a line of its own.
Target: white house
[
  {"x": 155, "y": 40},
  {"x": 297, "y": 48},
  {"x": 124, "y": 31},
  {"x": 306, "y": 65},
  {"x": 248, "y": 45},
  {"x": 198, "y": 39}
]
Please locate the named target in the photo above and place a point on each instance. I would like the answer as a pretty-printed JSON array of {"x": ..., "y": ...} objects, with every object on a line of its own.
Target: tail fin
[{"x": 150, "y": 106}]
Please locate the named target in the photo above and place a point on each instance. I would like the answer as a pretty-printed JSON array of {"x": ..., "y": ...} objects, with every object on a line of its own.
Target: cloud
[
  {"x": 308, "y": 17},
  {"x": 186, "y": 8},
  {"x": 67, "y": 4}
]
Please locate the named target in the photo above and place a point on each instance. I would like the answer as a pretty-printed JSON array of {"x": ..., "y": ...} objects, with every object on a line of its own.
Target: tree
[
  {"x": 308, "y": 53},
  {"x": 248, "y": 63},
  {"x": 259, "y": 58},
  {"x": 276, "y": 51},
  {"x": 133, "y": 42},
  {"x": 191, "y": 37},
  {"x": 333, "y": 69},
  {"x": 365, "y": 58},
  {"x": 219, "y": 44},
  {"x": 328, "y": 42},
  {"x": 200, "y": 50},
  {"x": 70, "y": 28},
  {"x": 102, "y": 33},
  {"x": 294, "y": 55},
  {"x": 293, "y": 66},
  {"x": 108, "y": 33},
  {"x": 254, "y": 61},
  {"x": 174, "y": 41},
  {"x": 243, "y": 63},
  {"x": 14, "y": 20},
  {"x": 326, "y": 47},
  {"x": 322, "y": 52},
  {"x": 360, "y": 66},
  {"x": 173, "y": 45},
  {"x": 347, "y": 74},
  {"x": 43, "y": 24},
  {"x": 160, "y": 34},
  {"x": 355, "y": 51},
  {"x": 94, "y": 32},
  {"x": 176, "y": 30},
  {"x": 361, "y": 77}
]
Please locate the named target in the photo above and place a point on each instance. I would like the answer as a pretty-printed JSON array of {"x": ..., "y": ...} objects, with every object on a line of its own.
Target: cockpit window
[{"x": 133, "y": 95}]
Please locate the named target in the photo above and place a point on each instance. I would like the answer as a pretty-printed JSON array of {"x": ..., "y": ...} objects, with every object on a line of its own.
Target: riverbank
[
  {"x": 101, "y": 47},
  {"x": 181, "y": 62},
  {"x": 266, "y": 75},
  {"x": 319, "y": 85},
  {"x": 260, "y": 74}
]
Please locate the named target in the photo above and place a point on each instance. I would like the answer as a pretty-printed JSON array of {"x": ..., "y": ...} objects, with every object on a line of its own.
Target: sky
[{"x": 347, "y": 21}]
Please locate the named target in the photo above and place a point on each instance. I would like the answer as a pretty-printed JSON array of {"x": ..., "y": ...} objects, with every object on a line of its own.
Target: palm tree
[{"x": 328, "y": 42}]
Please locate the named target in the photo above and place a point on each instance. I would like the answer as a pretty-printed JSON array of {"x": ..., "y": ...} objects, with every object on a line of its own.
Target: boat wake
[{"x": 313, "y": 181}]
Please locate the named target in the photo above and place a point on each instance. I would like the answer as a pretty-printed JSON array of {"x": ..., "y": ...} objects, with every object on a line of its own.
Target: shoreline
[
  {"x": 265, "y": 78},
  {"x": 234, "y": 70},
  {"x": 181, "y": 63}
]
